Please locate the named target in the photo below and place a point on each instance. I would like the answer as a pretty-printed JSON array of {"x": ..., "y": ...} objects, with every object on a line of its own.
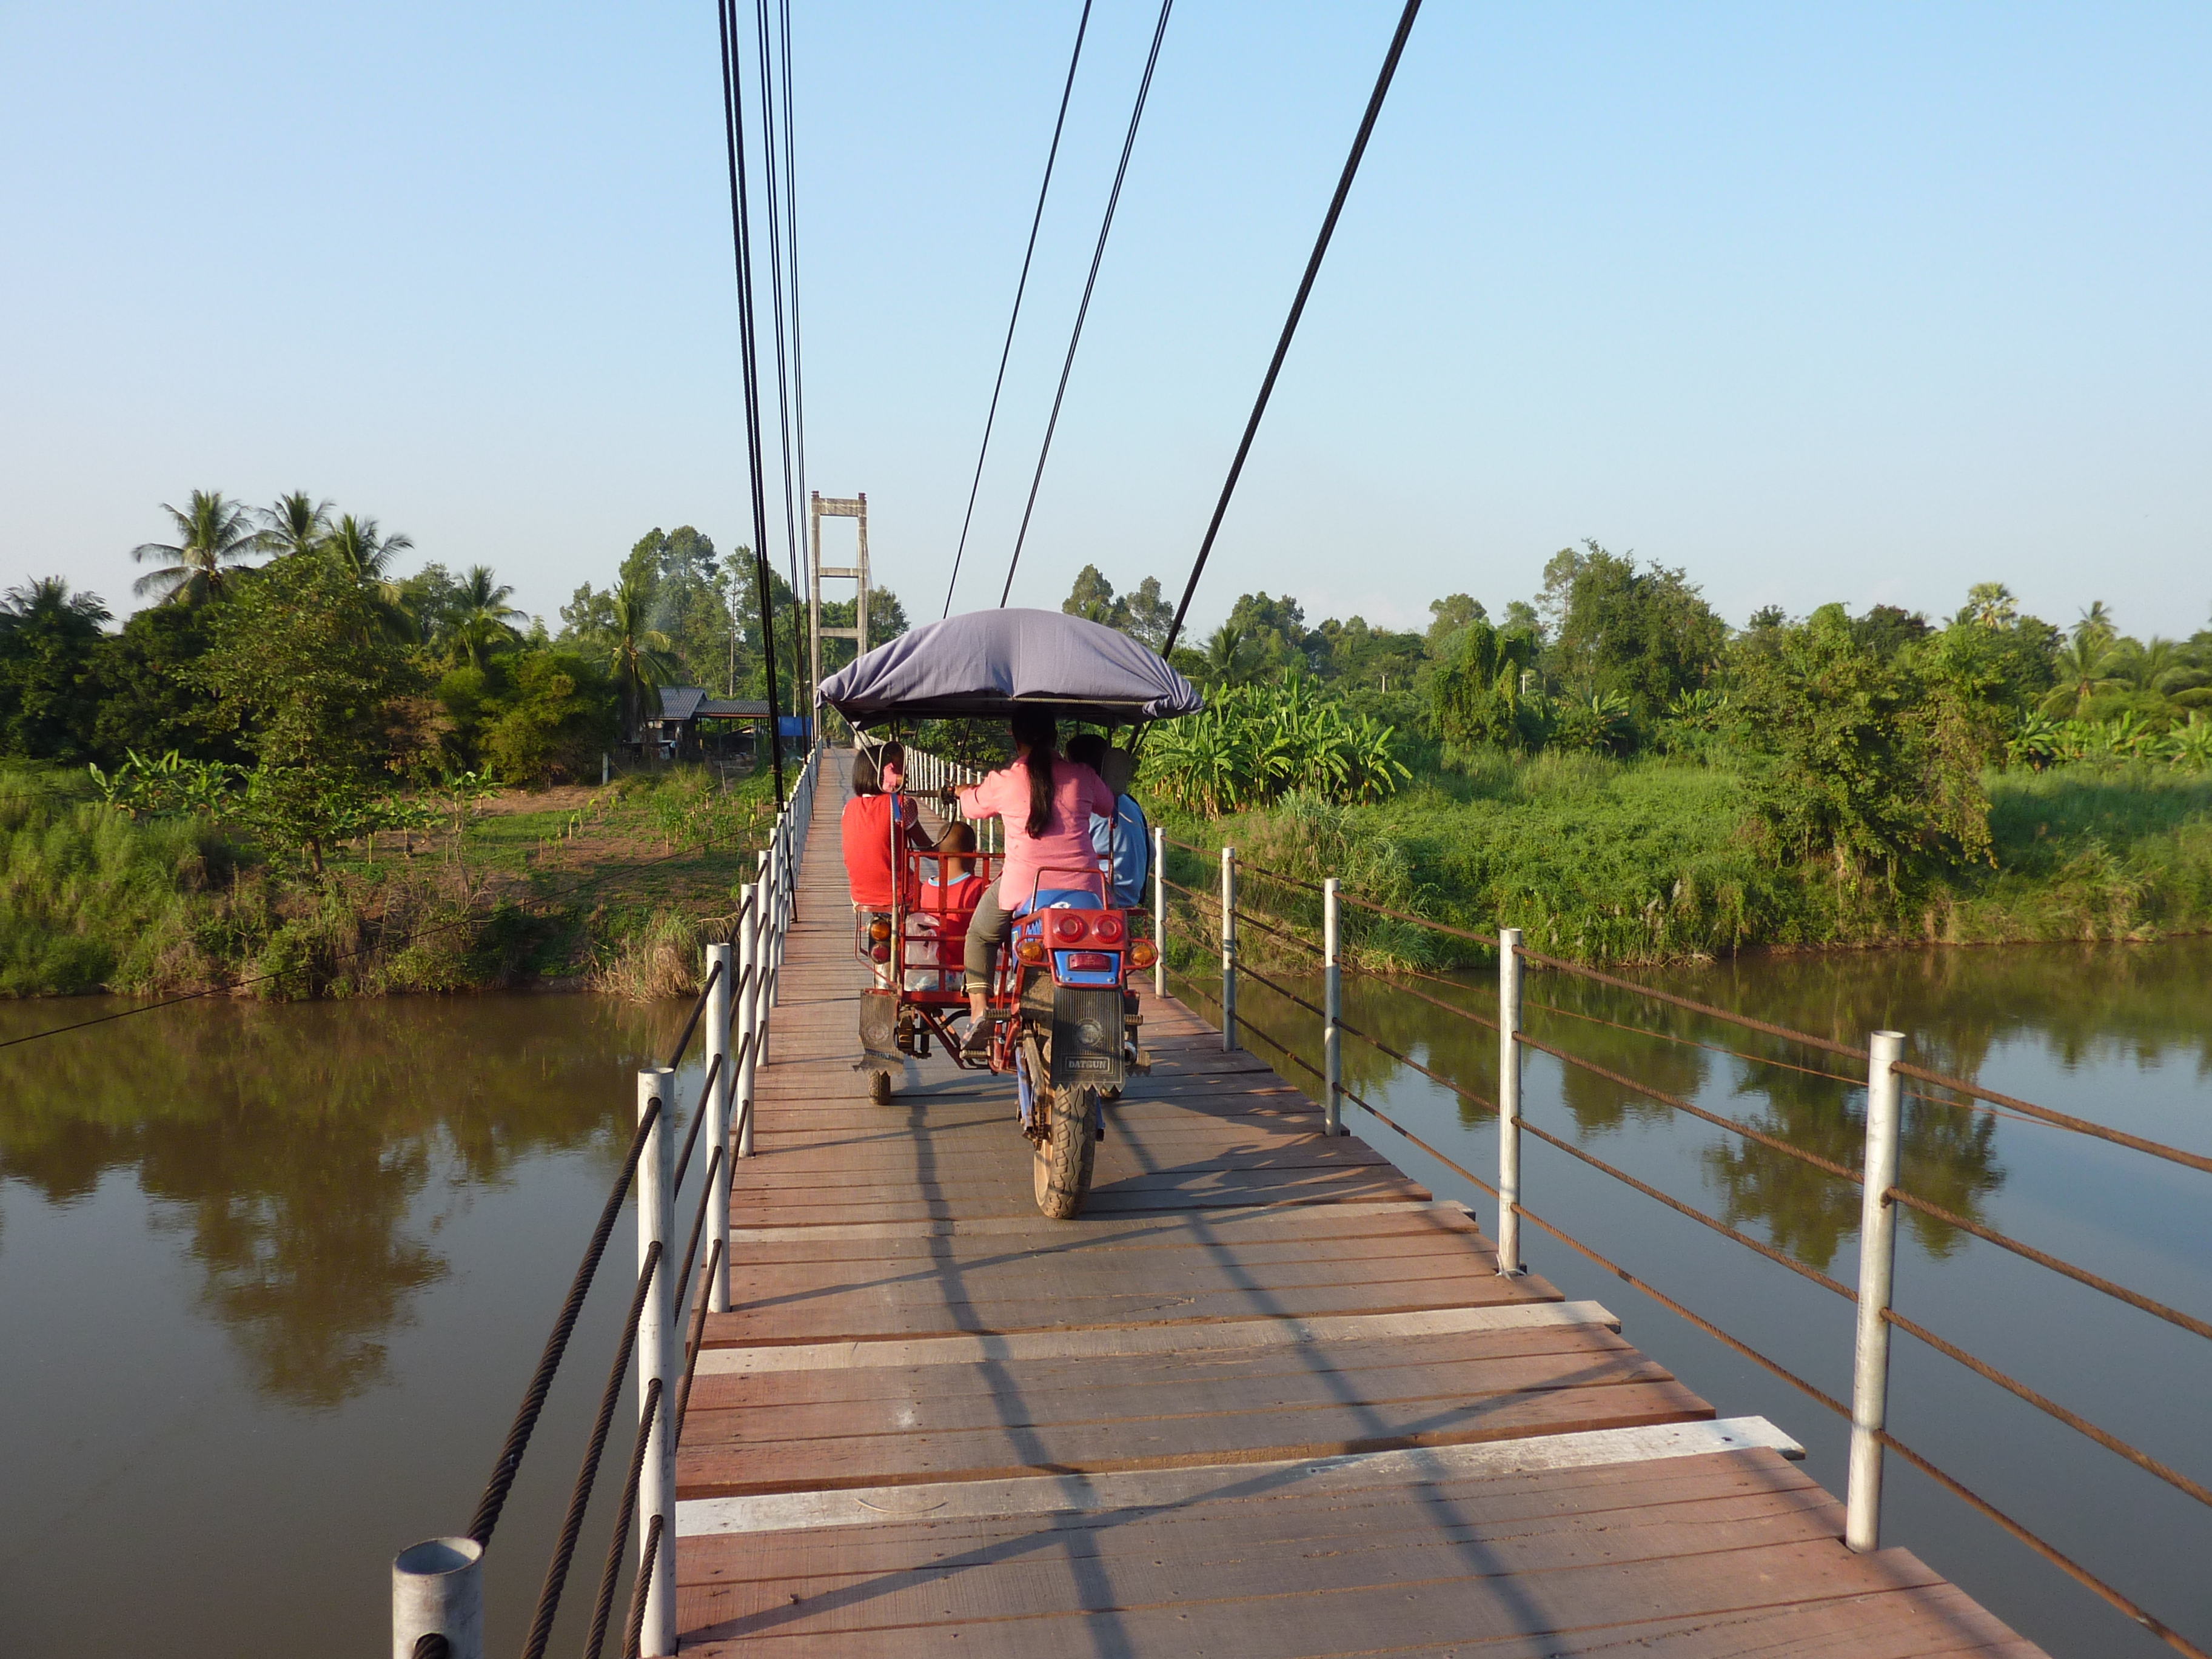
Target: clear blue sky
[{"x": 1861, "y": 303}]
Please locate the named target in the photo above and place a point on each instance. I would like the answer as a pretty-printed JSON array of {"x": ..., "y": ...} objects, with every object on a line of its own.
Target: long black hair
[{"x": 1039, "y": 733}]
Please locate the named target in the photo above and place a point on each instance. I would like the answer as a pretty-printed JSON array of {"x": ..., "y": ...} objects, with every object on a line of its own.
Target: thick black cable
[
  {"x": 1297, "y": 309},
  {"x": 1098, "y": 255},
  {"x": 579, "y": 1495},
  {"x": 733, "y": 119},
  {"x": 611, "y": 1572},
  {"x": 791, "y": 259},
  {"x": 776, "y": 282},
  {"x": 509, "y": 1459},
  {"x": 1020, "y": 287}
]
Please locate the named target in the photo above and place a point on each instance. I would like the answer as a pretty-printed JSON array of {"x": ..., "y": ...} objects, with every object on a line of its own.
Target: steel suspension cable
[
  {"x": 775, "y": 291},
  {"x": 1099, "y": 254},
  {"x": 1297, "y": 309},
  {"x": 1021, "y": 287},
  {"x": 791, "y": 257},
  {"x": 734, "y": 113}
]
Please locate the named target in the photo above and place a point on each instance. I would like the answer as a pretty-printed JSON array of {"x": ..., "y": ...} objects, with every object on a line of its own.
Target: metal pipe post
[
  {"x": 1877, "y": 1265},
  {"x": 437, "y": 1589},
  {"x": 658, "y": 1353},
  {"x": 720, "y": 1006},
  {"x": 1332, "y": 1002},
  {"x": 1508, "y": 1100},
  {"x": 1160, "y": 910},
  {"x": 749, "y": 1021},
  {"x": 1228, "y": 949}
]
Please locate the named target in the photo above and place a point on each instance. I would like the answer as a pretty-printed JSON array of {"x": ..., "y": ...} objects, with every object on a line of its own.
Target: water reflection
[{"x": 287, "y": 1148}]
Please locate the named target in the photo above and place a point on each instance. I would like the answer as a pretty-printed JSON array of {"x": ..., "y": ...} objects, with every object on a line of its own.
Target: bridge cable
[
  {"x": 775, "y": 263},
  {"x": 1128, "y": 144},
  {"x": 741, "y": 233},
  {"x": 1297, "y": 309},
  {"x": 1021, "y": 287},
  {"x": 791, "y": 261}
]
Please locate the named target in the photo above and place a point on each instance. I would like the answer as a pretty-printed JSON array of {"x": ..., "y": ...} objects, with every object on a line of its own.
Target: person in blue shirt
[{"x": 1127, "y": 833}]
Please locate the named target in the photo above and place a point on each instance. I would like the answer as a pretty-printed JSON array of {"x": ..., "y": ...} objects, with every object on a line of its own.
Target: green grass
[
  {"x": 92, "y": 900},
  {"x": 1654, "y": 861}
]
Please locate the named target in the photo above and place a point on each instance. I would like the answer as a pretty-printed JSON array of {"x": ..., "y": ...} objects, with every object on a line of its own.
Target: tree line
[
  {"x": 286, "y": 672},
  {"x": 1865, "y": 737}
]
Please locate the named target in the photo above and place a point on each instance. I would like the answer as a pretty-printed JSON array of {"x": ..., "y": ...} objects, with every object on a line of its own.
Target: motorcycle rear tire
[{"x": 1067, "y": 1152}]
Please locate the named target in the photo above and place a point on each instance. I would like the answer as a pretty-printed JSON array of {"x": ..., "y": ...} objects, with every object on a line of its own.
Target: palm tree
[
  {"x": 296, "y": 523},
  {"x": 2082, "y": 670},
  {"x": 368, "y": 552},
  {"x": 1228, "y": 662},
  {"x": 211, "y": 532},
  {"x": 366, "y": 548},
  {"x": 640, "y": 656},
  {"x": 486, "y": 621},
  {"x": 2097, "y": 619}
]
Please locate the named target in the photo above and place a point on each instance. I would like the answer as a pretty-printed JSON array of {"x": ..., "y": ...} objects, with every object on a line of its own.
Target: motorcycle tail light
[
  {"x": 1142, "y": 955},
  {"x": 1107, "y": 929},
  {"x": 1088, "y": 962},
  {"x": 1032, "y": 952},
  {"x": 1068, "y": 925},
  {"x": 882, "y": 953},
  {"x": 879, "y": 929}
]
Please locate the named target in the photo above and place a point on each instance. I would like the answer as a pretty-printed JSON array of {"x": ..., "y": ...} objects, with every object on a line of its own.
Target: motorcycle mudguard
[
  {"x": 879, "y": 1031},
  {"x": 1086, "y": 1035}
]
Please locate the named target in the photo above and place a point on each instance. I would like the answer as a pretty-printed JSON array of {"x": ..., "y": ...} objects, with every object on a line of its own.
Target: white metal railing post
[
  {"x": 1332, "y": 1002},
  {"x": 1160, "y": 911},
  {"x": 748, "y": 1007},
  {"x": 720, "y": 1008},
  {"x": 658, "y": 1354},
  {"x": 1877, "y": 1264},
  {"x": 1228, "y": 949},
  {"x": 437, "y": 1589},
  {"x": 1508, "y": 1100}
]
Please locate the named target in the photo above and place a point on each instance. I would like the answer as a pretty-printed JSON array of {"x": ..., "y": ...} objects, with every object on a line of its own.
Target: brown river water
[{"x": 272, "y": 1277}]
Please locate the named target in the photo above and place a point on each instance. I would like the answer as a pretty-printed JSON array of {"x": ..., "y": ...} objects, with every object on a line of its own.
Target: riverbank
[
  {"x": 608, "y": 889},
  {"x": 1656, "y": 861}
]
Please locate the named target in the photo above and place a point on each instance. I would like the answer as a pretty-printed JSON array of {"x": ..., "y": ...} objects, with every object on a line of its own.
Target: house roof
[
  {"x": 680, "y": 702},
  {"x": 733, "y": 708}
]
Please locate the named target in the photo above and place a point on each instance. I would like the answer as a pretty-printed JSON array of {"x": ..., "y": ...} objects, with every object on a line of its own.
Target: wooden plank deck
[{"x": 1265, "y": 1397}]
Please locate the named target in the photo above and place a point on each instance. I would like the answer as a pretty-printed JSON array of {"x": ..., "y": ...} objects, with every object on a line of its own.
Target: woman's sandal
[{"x": 977, "y": 1044}]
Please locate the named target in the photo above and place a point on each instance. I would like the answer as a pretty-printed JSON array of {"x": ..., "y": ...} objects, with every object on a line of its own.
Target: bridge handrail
[
  {"x": 437, "y": 1591},
  {"x": 1869, "y": 1409}
]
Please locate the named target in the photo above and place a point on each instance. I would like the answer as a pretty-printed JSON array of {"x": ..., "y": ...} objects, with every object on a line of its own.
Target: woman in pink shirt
[{"x": 1046, "y": 802}]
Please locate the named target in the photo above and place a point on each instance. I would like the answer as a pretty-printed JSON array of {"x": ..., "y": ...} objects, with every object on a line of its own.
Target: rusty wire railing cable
[
  {"x": 694, "y": 1343},
  {"x": 2044, "y": 1259},
  {"x": 2080, "y": 1125},
  {"x": 2075, "y": 1421},
  {"x": 579, "y": 1495},
  {"x": 625, "y": 1512},
  {"x": 634, "y": 1637},
  {"x": 556, "y": 1344},
  {"x": 1774, "y": 1143},
  {"x": 1826, "y": 1044},
  {"x": 698, "y": 1007},
  {"x": 1468, "y": 1014},
  {"x": 2072, "y": 1569},
  {"x": 698, "y": 1119}
]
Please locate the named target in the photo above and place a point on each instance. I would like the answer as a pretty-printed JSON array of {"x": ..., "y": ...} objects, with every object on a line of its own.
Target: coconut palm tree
[
  {"x": 367, "y": 548},
  {"x": 368, "y": 552},
  {"x": 640, "y": 656},
  {"x": 211, "y": 532},
  {"x": 486, "y": 621},
  {"x": 2083, "y": 668},
  {"x": 296, "y": 523}
]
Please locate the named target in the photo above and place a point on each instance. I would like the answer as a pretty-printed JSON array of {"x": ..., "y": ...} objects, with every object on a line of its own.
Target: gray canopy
[{"x": 987, "y": 663}]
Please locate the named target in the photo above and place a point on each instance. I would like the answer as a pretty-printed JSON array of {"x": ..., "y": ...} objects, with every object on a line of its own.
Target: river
[{"x": 273, "y": 1276}]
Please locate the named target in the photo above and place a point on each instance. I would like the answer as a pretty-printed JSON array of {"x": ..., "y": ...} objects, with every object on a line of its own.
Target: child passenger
[{"x": 942, "y": 911}]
